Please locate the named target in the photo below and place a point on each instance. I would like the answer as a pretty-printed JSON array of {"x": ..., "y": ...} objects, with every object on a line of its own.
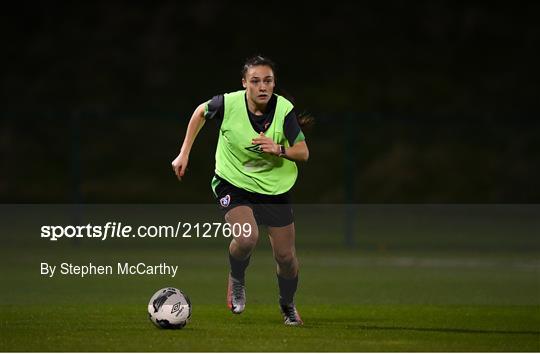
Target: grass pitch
[
  {"x": 421, "y": 279},
  {"x": 328, "y": 328},
  {"x": 350, "y": 301}
]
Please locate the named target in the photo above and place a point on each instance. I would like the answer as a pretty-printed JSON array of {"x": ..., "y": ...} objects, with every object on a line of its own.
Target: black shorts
[{"x": 269, "y": 210}]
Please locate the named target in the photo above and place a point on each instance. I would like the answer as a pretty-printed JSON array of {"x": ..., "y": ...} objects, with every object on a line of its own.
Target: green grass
[
  {"x": 349, "y": 300},
  {"x": 422, "y": 278},
  {"x": 327, "y": 328}
]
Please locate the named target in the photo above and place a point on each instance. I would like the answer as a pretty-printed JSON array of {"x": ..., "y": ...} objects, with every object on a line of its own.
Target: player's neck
[{"x": 255, "y": 108}]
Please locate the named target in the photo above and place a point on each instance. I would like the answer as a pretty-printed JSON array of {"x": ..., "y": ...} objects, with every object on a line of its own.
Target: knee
[
  {"x": 285, "y": 258},
  {"x": 248, "y": 242}
]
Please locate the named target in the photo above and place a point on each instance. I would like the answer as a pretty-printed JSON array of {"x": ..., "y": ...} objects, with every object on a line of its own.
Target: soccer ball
[{"x": 169, "y": 308}]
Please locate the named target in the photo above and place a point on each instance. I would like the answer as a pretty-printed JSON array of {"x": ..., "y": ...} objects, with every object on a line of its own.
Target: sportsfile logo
[
  {"x": 102, "y": 232},
  {"x": 118, "y": 230}
]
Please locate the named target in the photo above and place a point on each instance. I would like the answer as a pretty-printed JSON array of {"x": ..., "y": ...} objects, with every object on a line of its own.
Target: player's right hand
[{"x": 179, "y": 165}]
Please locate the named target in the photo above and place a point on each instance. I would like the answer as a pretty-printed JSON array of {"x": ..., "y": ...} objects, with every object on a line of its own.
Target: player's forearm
[
  {"x": 195, "y": 124},
  {"x": 297, "y": 152}
]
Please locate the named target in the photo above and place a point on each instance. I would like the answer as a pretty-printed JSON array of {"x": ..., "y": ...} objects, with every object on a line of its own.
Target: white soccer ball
[{"x": 169, "y": 308}]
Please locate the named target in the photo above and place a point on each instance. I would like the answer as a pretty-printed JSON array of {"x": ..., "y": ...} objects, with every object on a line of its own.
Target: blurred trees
[{"x": 444, "y": 93}]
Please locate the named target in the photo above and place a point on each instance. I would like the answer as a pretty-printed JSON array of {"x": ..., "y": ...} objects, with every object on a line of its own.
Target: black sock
[
  {"x": 287, "y": 289},
  {"x": 238, "y": 268}
]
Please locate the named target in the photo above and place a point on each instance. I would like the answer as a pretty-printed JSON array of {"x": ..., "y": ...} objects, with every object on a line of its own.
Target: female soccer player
[{"x": 259, "y": 141}]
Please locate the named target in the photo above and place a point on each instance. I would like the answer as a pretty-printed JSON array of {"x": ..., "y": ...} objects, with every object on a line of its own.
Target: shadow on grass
[
  {"x": 354, "y": 325},
  {"x": 449, "y": 330}
]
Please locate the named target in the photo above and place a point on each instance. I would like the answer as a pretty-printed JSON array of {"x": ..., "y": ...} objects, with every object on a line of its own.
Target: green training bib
[{"x": 244, "y": 164}]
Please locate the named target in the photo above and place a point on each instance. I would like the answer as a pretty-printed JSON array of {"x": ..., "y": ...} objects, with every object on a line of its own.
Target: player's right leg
[
  {"x": 240, "y": 250},
  {"x": 236, "y": 205}
]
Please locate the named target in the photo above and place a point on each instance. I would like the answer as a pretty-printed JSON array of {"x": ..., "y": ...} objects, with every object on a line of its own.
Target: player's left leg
[{"x": 282, "y": 240}]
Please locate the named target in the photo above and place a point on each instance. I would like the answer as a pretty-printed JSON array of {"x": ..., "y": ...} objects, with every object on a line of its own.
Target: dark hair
[
  {"x": 256, "y": 61},
  {"x": 305, "y": 120}
]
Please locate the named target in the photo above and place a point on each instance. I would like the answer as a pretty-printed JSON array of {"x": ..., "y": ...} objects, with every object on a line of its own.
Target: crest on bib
[{"x": 225, "y": 201}]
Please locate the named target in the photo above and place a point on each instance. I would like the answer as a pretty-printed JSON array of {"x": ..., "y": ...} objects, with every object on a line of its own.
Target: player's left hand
[{"x": 266, "y": 144}]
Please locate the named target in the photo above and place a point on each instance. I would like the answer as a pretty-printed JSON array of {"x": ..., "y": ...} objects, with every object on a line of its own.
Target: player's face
[{"x": 259, "y": 84}]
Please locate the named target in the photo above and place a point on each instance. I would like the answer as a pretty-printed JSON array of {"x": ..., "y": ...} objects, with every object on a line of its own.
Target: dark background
[{"x": 415, "y": 102}]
